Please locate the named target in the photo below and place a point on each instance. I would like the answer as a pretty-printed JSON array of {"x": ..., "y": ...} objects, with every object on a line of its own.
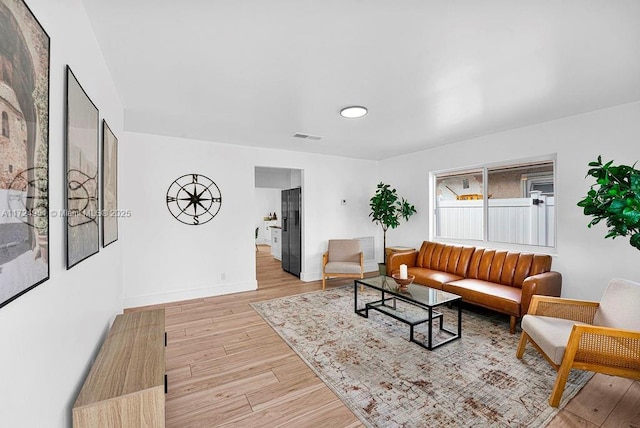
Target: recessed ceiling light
[{"x": 353, "y": 112}]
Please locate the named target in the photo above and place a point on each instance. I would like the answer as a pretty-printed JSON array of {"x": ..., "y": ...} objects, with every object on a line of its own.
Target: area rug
[{"x": 387, "y": 381}]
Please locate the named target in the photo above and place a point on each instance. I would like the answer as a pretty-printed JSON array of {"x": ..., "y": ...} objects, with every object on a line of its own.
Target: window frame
[
  {"x": 6, "y": 130},
  {"x": 485, "y": 168}
]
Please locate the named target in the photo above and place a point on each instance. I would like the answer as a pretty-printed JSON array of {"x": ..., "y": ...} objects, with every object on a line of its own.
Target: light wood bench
[{"x": 126, "y": 384}]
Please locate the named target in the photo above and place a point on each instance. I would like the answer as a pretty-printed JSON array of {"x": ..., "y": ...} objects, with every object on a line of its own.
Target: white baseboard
[
  {"x": 196, "y": 293},
  {"x": 310, "y": 276}
]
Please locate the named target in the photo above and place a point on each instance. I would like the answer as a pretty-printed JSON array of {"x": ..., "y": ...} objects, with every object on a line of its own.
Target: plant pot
[{"x": 382, "y": 269}]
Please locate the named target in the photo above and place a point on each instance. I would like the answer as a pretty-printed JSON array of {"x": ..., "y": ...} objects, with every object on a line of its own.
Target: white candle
[{"x": 403, "y": 271}]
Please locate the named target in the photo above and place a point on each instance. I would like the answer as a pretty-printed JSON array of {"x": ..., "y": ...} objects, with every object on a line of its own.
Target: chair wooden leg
[
  {"x": 512, "y": 324},
  {"x": 324, "y": 281},
  {"x": 524, "y": 338},
  {"x": 561, "y": 380}
]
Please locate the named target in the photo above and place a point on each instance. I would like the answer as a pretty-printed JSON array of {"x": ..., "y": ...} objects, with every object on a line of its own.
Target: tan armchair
[
  {"x": 602, "y": 337},
  {"x": 343, "y": 259}
]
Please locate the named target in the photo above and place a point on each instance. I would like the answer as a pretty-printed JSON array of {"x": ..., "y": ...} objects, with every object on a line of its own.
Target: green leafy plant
[
  {"x": 387, "y": 208},
  {"x": 615, "y": 198}
]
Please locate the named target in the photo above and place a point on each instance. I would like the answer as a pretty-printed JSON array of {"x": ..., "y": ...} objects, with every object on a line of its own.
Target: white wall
[
  {"x": 586, "y": 260},
  {"x": 165, "y": 260},
  {"x": 50, "y": 334},
  {"x": 275, "y": 178},
  {"x": 266, "y": 201}
]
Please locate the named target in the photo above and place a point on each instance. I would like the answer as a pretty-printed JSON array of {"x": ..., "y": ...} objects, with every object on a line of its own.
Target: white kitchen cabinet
[
  {"x": 276, "y": 243},
  {"x": 266, "y": 231}
]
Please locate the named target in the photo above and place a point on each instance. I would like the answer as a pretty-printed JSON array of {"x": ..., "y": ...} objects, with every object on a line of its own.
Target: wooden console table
[{"x": 126, "y": 384}]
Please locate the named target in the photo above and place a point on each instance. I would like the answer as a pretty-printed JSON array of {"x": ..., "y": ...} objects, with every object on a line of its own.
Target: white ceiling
[{"x": 255, "y": 72}]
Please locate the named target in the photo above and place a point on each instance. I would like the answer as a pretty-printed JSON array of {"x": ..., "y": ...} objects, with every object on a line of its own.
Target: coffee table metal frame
[{"x": 390, "y": 293}]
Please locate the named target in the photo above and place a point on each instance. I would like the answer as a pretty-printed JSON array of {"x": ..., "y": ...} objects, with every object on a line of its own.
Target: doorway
[{"x": 268, "y": 216}]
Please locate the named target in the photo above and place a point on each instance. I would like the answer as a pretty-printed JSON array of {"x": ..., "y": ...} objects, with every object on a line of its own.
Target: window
[
  {"x": 537, "y": 181},
  {"x": 511, "y": 203},
  {"x": 459, "y": 208},
  {"x": 5, "y": 124}
]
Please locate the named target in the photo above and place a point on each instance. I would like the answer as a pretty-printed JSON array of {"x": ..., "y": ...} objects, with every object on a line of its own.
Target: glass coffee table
[{"x": 416, "y": 296}]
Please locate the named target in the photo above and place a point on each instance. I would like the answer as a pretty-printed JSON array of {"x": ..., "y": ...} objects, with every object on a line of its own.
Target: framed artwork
[
  {"x": 82, "y": 173},
  {"x": 109, "y": 186},
  {"x": 24, "y": 151}
]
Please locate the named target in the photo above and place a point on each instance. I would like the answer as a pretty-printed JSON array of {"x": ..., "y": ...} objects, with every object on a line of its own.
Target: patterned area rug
[{"x": 387, "y": 381}]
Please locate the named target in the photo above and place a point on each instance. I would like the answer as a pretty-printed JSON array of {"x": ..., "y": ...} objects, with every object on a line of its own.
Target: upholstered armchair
[
  {"x": 343, "y": 259},
  {"x": 602, "y": 337}
]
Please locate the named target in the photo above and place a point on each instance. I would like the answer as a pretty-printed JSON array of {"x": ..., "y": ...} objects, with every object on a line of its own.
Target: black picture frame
[
  {"x": 109, "y": 185},
  {"x": 82, "y": 145},
  {"x": 24, "y": 151}
]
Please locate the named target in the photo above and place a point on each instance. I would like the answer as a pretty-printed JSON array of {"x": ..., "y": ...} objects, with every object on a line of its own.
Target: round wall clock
[{"x": 194, "y": 199}]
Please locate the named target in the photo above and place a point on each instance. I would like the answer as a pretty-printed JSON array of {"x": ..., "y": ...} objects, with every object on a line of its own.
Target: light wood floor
[{"x": 227, "y": 367}]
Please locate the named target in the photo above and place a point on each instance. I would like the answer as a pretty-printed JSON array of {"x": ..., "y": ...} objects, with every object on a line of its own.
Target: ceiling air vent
[{"x": 306, "y": 136}]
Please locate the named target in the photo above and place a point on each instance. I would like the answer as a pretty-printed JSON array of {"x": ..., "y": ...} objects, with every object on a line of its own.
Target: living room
[{"x": 52, "y": 333}]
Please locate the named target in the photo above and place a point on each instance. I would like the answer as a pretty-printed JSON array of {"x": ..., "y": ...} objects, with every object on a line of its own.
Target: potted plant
[
  {"x": 387, "y": 208},
  {"x": 615, "y": 198}
]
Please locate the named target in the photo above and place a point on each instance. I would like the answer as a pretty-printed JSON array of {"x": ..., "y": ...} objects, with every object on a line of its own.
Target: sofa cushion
[
  {"x": 503, "y": 298},
  {"x": 344, "y": 250},
  {"x": 432, "y": 278},
  {"x": 444, "y": 257},
  {"x": 342, "y": 267},
  {"x": 507, "y": 268},
  {"x": 619, "y": 305},
  {"x": 550, "y": 334}
]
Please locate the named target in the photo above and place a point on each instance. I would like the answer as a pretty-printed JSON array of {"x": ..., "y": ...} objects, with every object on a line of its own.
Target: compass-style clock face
[{"x": 194, "y": 199}]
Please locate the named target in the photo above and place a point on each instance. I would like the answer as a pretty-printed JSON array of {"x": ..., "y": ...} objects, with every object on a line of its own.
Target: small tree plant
[
  {"x": 387, "y": 208},
  {"x": 615, "y": 198}
]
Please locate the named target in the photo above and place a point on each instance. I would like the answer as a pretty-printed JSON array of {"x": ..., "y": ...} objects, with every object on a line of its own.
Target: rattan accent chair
[
  {"x": 600, "y": 336},
  {"x": 343, "y": 259}
]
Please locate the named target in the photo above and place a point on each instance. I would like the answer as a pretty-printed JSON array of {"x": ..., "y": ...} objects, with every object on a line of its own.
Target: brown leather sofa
[{"x": 503, "y": 281}]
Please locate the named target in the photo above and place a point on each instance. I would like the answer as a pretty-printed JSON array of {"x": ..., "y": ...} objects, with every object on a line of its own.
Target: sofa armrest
[
  {"x": 396, "y": 259},
  {"x": 612, "y": 347},
  {"x": 546, "y": 284},
  {"x": 568, "y": 309},
  {"x": 600, "y": 349}
]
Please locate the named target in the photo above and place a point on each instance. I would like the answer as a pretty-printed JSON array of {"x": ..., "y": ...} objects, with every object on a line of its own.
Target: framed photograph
[
  {"x": 83, "y": 234},
  {"x": 24, "y": 151},
  {"x": 109, "y": 186}
]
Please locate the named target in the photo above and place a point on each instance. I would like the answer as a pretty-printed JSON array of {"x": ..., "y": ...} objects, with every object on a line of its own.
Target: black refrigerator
[{"x": 292, "y": 231}]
